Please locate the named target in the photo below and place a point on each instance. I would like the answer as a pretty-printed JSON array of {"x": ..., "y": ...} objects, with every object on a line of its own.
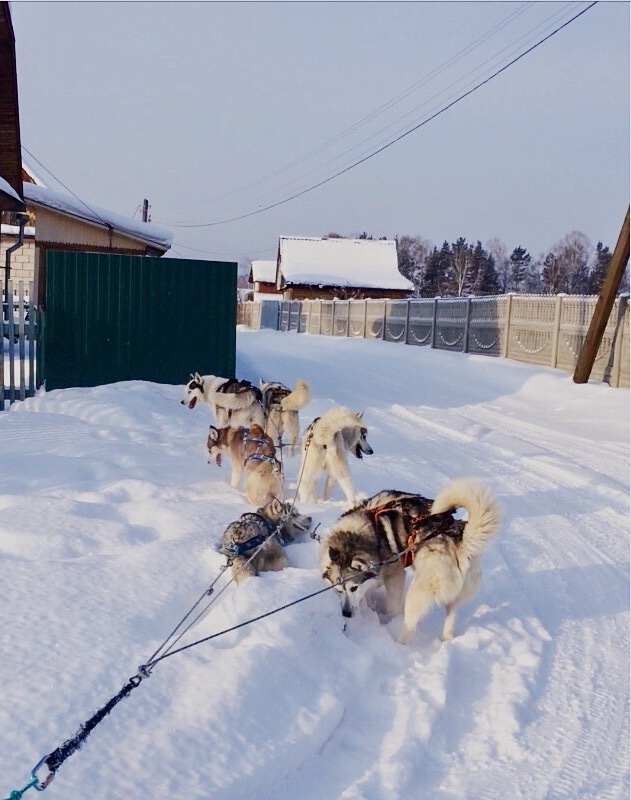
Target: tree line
[{"x": 464, "y": 268}]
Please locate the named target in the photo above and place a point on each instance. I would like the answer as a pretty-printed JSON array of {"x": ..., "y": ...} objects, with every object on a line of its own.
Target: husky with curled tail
[
  {"x": 367, "y": 546},
  {"x": 281, "y": 406},
  {"x": 447, "y": 568},
  {"x": 325, "y": 446}
]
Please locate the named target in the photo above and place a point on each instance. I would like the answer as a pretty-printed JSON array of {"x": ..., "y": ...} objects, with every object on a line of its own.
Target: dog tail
[
  {"x": 484, "y": 512},
  {"x": 298, "y": 398}
]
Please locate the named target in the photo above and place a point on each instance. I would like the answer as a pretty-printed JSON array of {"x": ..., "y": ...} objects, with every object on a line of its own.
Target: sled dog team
[{"x": 372, "y": 543}]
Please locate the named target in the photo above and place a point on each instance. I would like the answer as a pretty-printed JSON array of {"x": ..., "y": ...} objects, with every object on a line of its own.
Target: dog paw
[{"x": 405, "y": 636}]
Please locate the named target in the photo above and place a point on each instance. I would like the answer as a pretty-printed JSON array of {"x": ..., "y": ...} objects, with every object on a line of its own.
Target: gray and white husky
[
  {"x": 324, "y": 453},
  {"x": 233, "y": 402},
  {"x": 254, "y": 542},
  {"x": 281, "y": 406},
  {"x": 368, "y": 542}
]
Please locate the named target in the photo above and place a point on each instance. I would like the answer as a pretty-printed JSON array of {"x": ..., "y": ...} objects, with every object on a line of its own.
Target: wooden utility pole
[{"x": 597, "y": 326}]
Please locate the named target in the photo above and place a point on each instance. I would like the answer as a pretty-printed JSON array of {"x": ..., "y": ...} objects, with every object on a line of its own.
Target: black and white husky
[
  {"x": 281, "y": 406},
  {"x": 324, "y": 453},
  {"x": 369, "y": 541},
  {"x": 233, "y": 402}
]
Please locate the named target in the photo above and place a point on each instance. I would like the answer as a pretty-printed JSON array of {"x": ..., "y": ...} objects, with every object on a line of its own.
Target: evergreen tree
[
  {"x": 435, "y": 270},
  {"x": 519, "y": 263},
  {"x": 487, "y": 279},
  {"x": 599, "y": 270}
]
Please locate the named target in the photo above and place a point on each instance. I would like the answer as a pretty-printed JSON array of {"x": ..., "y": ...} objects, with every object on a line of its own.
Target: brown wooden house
[{"x": 320, "y": 268}]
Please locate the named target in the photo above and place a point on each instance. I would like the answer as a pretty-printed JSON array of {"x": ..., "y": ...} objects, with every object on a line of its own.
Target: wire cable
[{"x": 393, "y": 141}]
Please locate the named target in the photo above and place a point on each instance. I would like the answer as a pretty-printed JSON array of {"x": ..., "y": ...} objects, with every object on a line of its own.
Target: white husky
[{"x": 324, "y": 453}]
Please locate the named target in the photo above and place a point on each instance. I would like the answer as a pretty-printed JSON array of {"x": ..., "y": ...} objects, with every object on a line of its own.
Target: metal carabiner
[{"x": 41, "y": 785}]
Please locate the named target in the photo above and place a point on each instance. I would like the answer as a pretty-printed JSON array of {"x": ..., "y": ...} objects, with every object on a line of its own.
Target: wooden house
[
  {"x": 263, "y": 279},
  {"x": 324, "y": 268}
]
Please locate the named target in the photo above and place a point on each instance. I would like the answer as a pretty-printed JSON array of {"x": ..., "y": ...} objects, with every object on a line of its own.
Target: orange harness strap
[{"x": 407, "y": 558}]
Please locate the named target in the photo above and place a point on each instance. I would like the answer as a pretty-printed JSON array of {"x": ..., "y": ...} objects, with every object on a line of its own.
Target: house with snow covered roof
[
  {"x": 323, "y": 268},
  {"x": 263, "y": 278},
  {"x": 62, "y": 222}
]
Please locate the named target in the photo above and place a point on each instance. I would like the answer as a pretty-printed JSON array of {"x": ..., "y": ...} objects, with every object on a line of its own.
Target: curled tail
[
  {"x": 484, "y": 512},
  {"x": 298, "y": 398}
]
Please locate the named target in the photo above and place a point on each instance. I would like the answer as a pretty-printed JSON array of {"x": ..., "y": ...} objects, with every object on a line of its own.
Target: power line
[
  {"x": 61, "y": 183},
  {"x": 392, "y": 141},
  {"x": 374, "y": 136},
  {"x": 376, "y": 112}
]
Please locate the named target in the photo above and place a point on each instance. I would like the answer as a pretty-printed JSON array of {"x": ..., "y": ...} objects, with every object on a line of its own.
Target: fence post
[
  {"x": 619, "y": 336},
  {"x": 385, "y": 311},
  {"x": 407, "y": 322},
  {"x": 467, "y": 320},
  {"x": 32, "y": 383},
  {"x": 509, "y": 310},
  {"x": 554, "y": 356},
  {"x": 433, "y": 336},
  {"x": 365, "y": 317}
]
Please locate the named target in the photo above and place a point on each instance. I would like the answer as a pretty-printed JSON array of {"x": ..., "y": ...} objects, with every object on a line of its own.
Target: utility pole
[
  {"x": 597, "y": 326},
  {"x": 145, "y": 211}
]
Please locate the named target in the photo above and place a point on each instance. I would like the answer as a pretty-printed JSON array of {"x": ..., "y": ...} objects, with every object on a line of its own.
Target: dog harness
[
  {"x": 257, "y": 455},
  {"x": 413, "y": 524},
  {"x": 275, "y": 394},
  {"x": 257, "y": 522}
]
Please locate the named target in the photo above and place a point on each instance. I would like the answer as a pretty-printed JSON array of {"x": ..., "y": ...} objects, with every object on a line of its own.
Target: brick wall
[{"x": 22, "y": 260}]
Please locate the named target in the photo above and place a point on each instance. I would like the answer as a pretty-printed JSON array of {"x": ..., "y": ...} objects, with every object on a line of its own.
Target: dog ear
[
  {"x": 276, "y": 507},
  {"x": 334, "y": 554},
  {"x": 197, "y": 377},
  {"x": 359, "y": 414},
  {"x": 213, "y": 433}
]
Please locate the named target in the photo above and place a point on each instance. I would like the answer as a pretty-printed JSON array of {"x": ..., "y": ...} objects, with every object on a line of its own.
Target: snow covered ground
[{"x": 109, "y": 513}]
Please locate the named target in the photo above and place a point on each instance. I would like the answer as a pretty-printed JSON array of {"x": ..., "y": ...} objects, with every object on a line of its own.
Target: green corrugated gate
[{"x": 114, "y": 318}]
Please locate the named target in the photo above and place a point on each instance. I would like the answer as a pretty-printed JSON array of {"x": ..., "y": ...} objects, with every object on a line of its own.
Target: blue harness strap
[{"x": 265, "y": 526}]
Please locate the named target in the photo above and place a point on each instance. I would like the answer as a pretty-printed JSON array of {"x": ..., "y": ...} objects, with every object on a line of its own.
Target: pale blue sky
[{"x": 184, "y": 103}]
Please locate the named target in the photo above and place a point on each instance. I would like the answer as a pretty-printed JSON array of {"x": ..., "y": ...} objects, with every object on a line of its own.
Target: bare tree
[
  {"x": 497, "y": 249},
  {"x": 413, "y": 252},
  {"x": 572, "y": 253},
  {"x": 458, "y": 268}
]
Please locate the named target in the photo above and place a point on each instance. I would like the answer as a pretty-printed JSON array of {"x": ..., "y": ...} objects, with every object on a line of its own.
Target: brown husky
[{"x": 251, "y": 451}]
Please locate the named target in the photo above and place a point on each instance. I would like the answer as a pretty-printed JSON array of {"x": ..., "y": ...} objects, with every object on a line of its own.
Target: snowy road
[{"x": 108, "y": 517}]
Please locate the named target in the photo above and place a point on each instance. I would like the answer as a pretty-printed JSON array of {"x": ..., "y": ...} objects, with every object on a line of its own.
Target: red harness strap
[{"x": 407, "y": 558}]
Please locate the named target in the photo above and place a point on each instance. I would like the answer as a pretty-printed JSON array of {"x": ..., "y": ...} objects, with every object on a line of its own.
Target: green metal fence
[{"x": 113, "y": 318}]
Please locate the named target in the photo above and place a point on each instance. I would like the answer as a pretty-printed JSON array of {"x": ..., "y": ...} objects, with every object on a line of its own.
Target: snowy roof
[
  {"x": 364, "y": 263},
  {"x": 264, "y": 271},
  {"x": 71, "y": 206},
  {"x": 32, "y": 174},
  {"x": 6, "y": 188}
]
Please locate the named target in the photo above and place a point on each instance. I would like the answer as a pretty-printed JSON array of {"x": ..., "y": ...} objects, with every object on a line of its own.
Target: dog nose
[{"x": 347, "y": 608}]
